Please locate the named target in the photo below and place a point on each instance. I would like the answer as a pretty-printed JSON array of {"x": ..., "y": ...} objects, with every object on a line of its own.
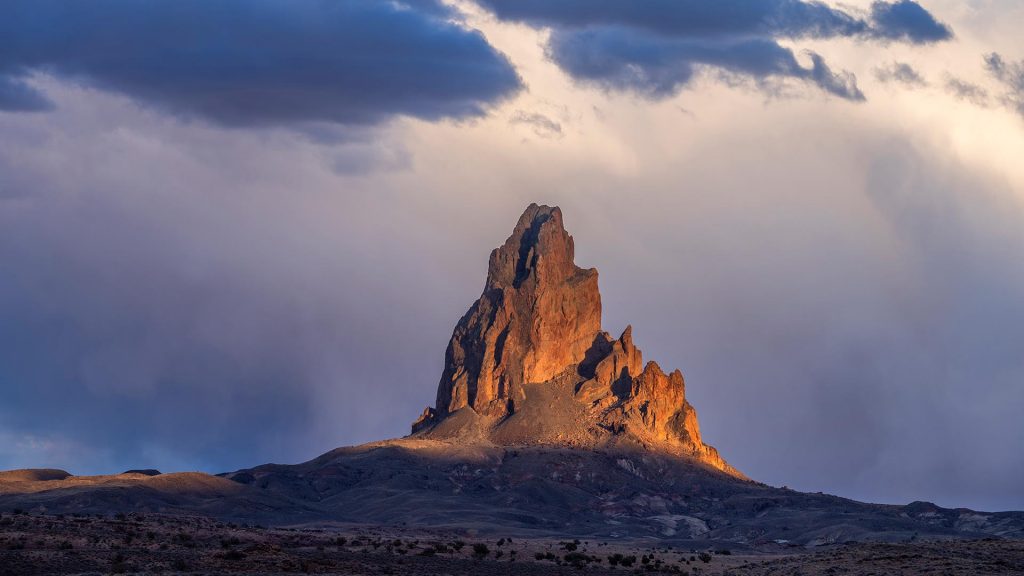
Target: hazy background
[{"x": 262, "y": 258}]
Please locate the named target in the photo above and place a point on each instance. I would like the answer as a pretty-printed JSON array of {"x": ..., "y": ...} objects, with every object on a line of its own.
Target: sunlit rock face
[
  {"x": 538, "y": 315},
  {"x": 529, "y": 363}
]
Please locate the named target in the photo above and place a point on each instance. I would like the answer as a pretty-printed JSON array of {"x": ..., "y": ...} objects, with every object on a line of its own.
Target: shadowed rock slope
[{"x": 544, "y": 426}]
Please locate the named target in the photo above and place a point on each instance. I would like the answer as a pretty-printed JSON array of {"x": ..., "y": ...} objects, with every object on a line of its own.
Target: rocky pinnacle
[{"x": 535, "y": 332}]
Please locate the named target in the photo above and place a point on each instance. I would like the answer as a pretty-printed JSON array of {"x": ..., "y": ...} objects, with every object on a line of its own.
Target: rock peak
[
  {"x": 537, "y": 317},
  {"x": 529, "y": 362},
  {"x": 539, "y": 245}
]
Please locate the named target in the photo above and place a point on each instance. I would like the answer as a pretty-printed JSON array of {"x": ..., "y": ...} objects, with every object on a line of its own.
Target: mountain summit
[{"x": 530, "y": 364}]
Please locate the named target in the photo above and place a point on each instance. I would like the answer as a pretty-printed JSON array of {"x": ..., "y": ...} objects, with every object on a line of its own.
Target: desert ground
[{"x": 157, "y": 544}]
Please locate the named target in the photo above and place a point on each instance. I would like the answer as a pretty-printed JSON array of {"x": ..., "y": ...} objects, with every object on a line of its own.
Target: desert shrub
[
  {"x": 704, "y": 557},
  {"x": 118, "y": 565},
  {"x": 724, "y": 552},
  {"x": 481, "y": 549},
  {"x": 340, "y": 541},
  {"x": 577, "y": 558}
]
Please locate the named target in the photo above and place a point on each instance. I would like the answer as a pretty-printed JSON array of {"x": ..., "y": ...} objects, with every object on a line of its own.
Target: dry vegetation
[{"x": 70, "y": 544}]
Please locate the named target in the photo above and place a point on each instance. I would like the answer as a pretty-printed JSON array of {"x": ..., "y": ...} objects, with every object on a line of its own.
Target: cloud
[
  {"x": 610, "y": 57},
  {"x": 903, "y": 20},
  {"x": 17, "y": 96},
  {"x": 689, "y": 18},
  {"x": 272, "y": 62},
  {"x": 653, "y": 47},
  {"x": 184, "y": 297},
  {"x": 1011, "y": 76},
  {"x": 543, "y": 126},
  {"x": 902, "y": 73},
  {"x": 907, "y": 21},
  {"x": 967, "y": 91},
  {"x": 842, "y": 84}
]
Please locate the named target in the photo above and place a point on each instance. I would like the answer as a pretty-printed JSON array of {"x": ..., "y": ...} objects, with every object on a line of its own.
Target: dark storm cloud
[
  {"x": 690, "y": 18},
  {"x": 1011, "y": 76},
  {"x": 902, "y": 73},
  {"x": 608, "y": 57},
  {"x": 907, "y": 21},
  {"x": 654, "y": 47},
  {"x": 123, "y": 342},
  {"x": 903, "y": 20},
  {"x": 17, "y": 96},
  {"x": 247, "y": 63},
  {"x": 184, "y": 298}
]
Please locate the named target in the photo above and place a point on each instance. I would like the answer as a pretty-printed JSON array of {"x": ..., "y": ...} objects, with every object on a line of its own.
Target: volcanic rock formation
[
  {"x": 529, "y": 363},
  {"x": 545, "y": 427}
]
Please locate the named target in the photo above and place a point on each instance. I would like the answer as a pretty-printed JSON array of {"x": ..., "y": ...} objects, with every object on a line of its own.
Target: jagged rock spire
[
  {"x": 537, "y": 317},
  {"x": 538, "y": 324}
]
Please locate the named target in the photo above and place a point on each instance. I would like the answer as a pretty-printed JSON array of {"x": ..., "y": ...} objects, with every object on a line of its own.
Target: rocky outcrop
[
  {"x": 538, "y": 324},
  {"x": 644, "y": 403},
  {"x": 611, "y": 369},
  {"x": 537, "y": 317}
]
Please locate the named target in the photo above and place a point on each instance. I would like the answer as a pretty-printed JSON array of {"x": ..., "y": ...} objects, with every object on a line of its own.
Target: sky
[{"x": 241, "y": 232}]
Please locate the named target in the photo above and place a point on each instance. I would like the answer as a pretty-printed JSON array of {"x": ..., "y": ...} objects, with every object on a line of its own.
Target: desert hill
[
  {"x": 544, "y": 426},
  {"x": 534, "y": 491}
]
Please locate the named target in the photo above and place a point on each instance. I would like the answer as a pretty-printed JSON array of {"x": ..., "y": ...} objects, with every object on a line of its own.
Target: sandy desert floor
[{"x": 42, "y": 544}]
